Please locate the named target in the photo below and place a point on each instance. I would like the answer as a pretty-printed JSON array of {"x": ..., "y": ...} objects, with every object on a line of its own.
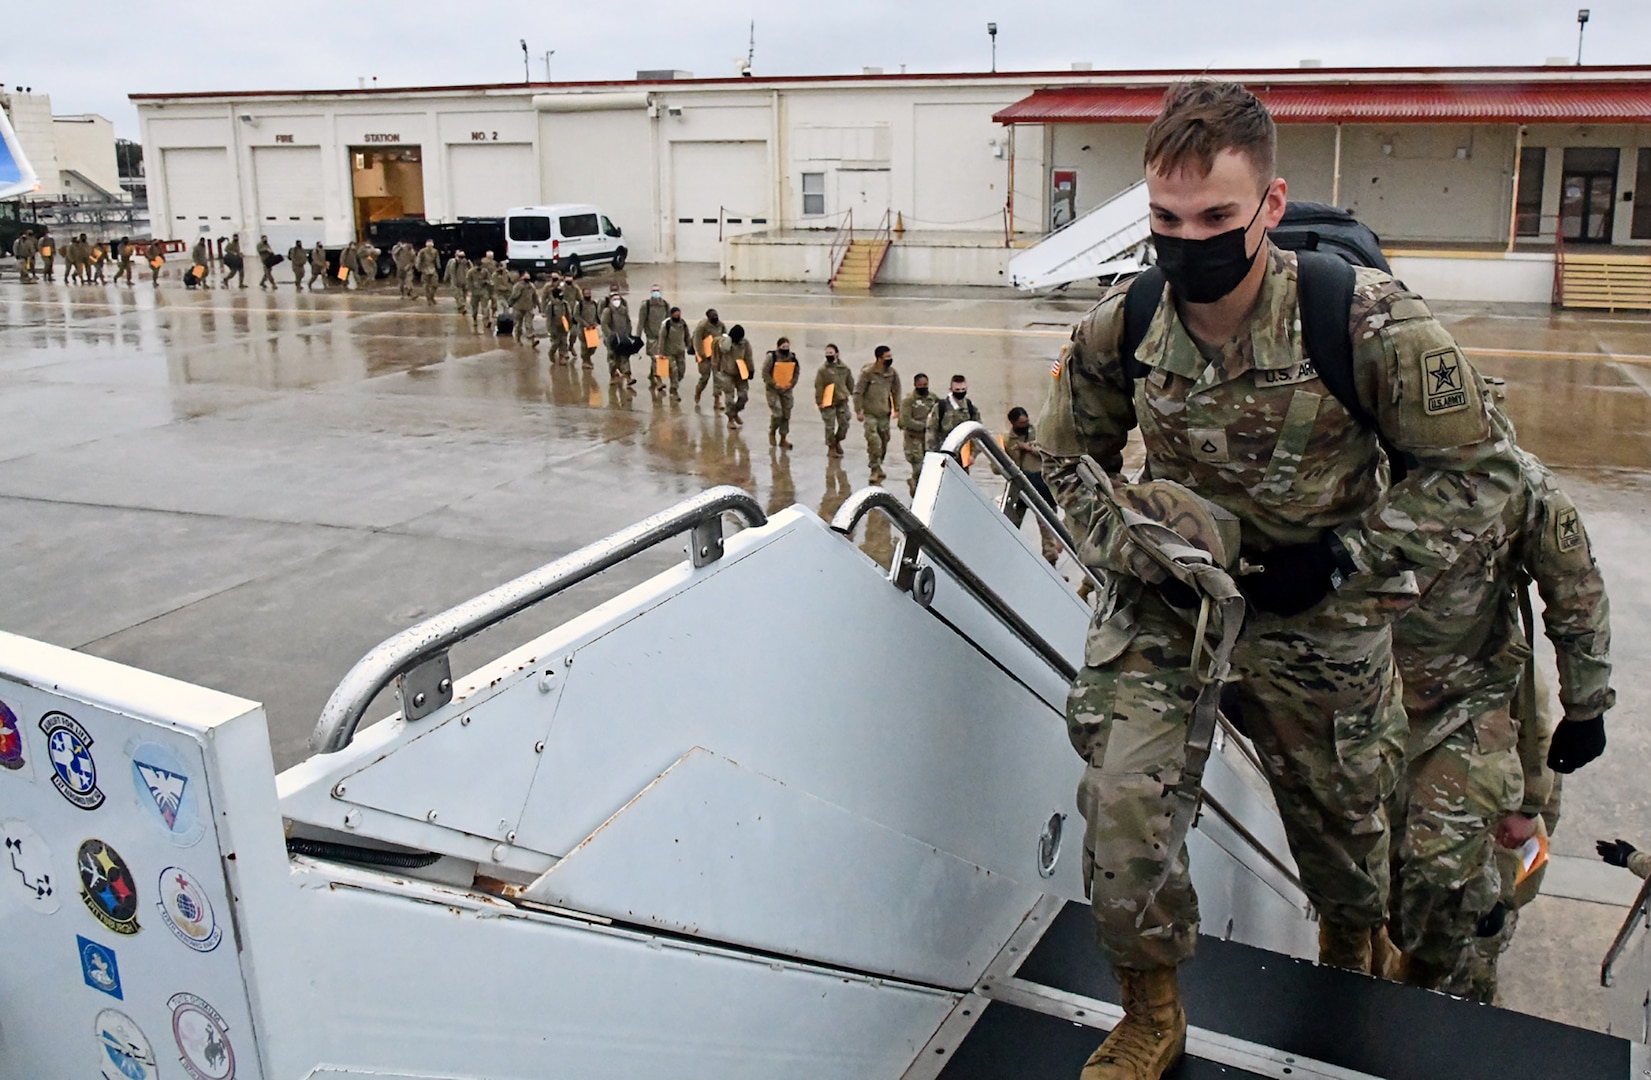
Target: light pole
[
  {"x": 991, "y": 28},
  {"x": 548, "y": 55},
  {"x": 527, "y": 77},
  {"x": 1581, "y": 25}
]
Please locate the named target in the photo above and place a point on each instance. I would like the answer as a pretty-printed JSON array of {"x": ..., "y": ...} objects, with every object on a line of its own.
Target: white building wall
[{"x": 86, "y": 145}]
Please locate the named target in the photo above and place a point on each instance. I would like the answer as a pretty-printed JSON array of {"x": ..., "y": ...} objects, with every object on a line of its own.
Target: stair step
[{"x": 1608, "y": 282}]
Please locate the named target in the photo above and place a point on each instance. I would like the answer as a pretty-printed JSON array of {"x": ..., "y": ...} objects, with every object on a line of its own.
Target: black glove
[
  {"x": 1616, "y": 854},
  {"x": 1294, "y": 577},
  {"x": 1576, "y": 743}
]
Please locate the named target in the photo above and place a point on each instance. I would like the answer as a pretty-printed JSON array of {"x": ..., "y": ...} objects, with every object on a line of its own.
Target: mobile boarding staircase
[
  {"x": 776, "y": 812},
  {"x": 1101, "y": 244}
]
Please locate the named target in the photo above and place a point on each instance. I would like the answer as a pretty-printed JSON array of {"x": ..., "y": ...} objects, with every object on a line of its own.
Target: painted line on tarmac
[{"x": 1542, "y": 354}]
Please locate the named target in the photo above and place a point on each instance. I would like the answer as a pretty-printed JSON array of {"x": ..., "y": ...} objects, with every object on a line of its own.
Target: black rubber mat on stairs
[{"x": 1293, "y": 1006}]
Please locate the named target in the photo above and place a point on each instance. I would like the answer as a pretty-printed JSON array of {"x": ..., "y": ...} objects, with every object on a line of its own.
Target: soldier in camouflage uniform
[
  {"x": 674, "y": 344},
  {"x": 835, "y": 375},
  {"x": 1020, "y": 443},
  {"x": 736, "y": 363},
  {"x": 458, "y": 278},
  {"x": 650, "y": 318},
  {"x": 706, "y": 333},
  {"x": 1229, "y": 408},
  {"x": 1462, "y": 654},
  {"x": 914, "y": 421},
  {"x": 779, "y": 379},
  {"x": 876, "y": 396},
  {"x": 553, "y": 301},
  {"x": 428, "y": 264},
  {"x": 482, "y": 300}
]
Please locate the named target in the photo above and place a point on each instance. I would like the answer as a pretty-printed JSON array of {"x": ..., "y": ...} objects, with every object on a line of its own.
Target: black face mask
[
  {"x": 1203, "y": 271},
  {"x": 922, "y": 391}
]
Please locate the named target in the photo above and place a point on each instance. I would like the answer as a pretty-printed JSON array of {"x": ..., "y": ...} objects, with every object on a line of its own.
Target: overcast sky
[{"x": 90, "y": 55}]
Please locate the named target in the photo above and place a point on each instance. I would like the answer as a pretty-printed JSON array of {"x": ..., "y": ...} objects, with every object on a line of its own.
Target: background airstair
[
  {"x": 1103, "y": 243},
  {"x": 782, "y": 809}
]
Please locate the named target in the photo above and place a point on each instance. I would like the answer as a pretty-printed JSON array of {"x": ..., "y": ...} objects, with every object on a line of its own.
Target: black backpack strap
[
  {"x": 1141, "y": 302},
  {"x": 1325, "y": 285}
]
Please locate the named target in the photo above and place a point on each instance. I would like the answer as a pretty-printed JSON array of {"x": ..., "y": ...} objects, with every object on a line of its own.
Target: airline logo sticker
[
  {"x": 98, "y": 967},
  {"x": 202, "y": 1037},
  {"x": 124, "y": 1052},
  {"x": 74, "y": 773},
  {"x": 167, "y": 792},
  {"x": 11, "y": 739},
  {"x": 27, "y": 867},
  {"x": 107, "y": 887},
  {"x": 187, "y": 910}
]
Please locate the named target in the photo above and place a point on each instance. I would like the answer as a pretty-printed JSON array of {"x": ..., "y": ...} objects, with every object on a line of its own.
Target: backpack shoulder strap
[
  {"x": 1141, "y": 302},
  {"x": 1326, "y": 284}
]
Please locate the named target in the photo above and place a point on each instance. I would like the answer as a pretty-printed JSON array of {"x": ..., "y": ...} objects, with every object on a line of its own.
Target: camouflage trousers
[
  {"x": 836, "y": 422},
  {"x": 1320, "y": 700},
  {"x": 877, "y": 440},
  {"x": 779, "y": 411},
  {"x": 915, "y": 447},
  {"x": 1445, "y": 876}
]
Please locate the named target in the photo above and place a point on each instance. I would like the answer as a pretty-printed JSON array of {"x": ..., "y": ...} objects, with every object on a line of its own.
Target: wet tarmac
[{"x": 249, "y": 490}]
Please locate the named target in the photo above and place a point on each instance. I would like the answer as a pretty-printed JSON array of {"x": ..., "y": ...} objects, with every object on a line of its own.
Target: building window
[
  {"x": 1641, "y": 229},
  {"x": 1527, "y": 215},
  {"x": 813, "y": 194}
]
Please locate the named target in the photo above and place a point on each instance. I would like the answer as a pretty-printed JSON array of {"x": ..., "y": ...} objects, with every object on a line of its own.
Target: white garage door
[
  {"x": 486, "y": 179},
  {"x": 290, "y": 205},
  {"x": 718, "y": 189},
  {"x": 200, "y": 194}
]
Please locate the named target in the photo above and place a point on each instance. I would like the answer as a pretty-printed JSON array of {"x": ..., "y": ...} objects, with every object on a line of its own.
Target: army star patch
[
  {"x": 1445, "y": 382},
  {"x": 1567, "y": 531}
]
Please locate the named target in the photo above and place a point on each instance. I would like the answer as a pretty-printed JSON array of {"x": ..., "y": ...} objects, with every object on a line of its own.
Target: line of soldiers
[
  {"x": 85, "y": 261},
  {"x": 1382, "y": 526}
]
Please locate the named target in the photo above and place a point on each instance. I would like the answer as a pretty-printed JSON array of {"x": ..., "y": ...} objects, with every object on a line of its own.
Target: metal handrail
[
  {"x": 874, "y": 254},
  {"x": 1636, "y": 915},
  {"x": 908, "y": 574},
  {"x": 420, "y": 647},
  {"x": 973, "y": 431},
  {"x": 840, "y": 243}
]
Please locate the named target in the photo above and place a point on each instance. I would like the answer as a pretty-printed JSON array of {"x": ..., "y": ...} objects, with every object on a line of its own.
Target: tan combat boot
[
  {"x": 1151, "y": 1036},
  {"x": 1344, "y": 946},
  {"x": 1386, "y": 961}
]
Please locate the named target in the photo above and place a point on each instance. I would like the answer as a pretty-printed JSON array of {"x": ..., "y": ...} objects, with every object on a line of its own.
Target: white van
[{"x": 567, "y": 237}]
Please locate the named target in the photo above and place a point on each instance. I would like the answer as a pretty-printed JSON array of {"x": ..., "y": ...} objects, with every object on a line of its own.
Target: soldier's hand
[
  {"x": 1292, "y": 578},
  {"x": 1576, "y": 743},
  {"x": 1616, "y": 854},
  {"x": 1515, "y": 829}
]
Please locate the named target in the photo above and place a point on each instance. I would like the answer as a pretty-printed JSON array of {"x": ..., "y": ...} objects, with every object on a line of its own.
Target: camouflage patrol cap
[{"x": 1193, "y": 518}]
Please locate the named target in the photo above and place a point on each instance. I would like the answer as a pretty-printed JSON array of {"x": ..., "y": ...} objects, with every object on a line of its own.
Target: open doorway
[{"x": 386, "y": 183}]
